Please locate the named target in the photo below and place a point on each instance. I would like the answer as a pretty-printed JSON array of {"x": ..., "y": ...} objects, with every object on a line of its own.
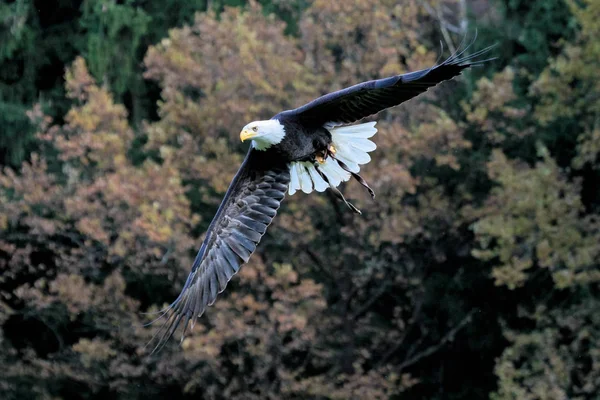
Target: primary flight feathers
[{"x": 302, "y": 149}]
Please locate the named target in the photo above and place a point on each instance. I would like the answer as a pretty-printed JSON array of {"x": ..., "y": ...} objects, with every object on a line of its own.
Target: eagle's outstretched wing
[
  {"x": 249, "y": 206},
  {"x": 368, "y": 98}
]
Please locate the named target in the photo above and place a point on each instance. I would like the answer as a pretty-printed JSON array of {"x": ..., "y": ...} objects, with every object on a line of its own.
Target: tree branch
[
  {"x": 382, "y": 289},
  {"x": 448, "y": 337},
  {"x": 319, "y": 264},
  {"x": 416, "y": 314}
]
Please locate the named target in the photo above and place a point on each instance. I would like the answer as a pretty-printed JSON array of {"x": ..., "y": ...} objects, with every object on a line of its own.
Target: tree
[
  {"x": 540, "y": 228},
  {"x": 74, "y": 240}
]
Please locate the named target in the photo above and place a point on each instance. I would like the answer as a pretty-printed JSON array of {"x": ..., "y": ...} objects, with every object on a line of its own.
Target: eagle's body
[
  {"x": 300, "y": 142},
  {"x": 312, "y": 147}
]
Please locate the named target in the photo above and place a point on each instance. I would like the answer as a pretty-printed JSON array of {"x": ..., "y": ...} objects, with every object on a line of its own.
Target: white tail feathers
[{"x": 352, "y": 146}]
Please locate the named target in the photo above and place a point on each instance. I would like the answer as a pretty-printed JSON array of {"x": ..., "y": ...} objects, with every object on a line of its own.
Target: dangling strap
[
  {"x": 356, "y": 176},
  {"x": 338, "y": 194}
]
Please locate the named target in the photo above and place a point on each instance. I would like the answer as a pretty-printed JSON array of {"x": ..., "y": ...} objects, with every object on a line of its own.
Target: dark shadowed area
[{"x": 474, "y": 274}]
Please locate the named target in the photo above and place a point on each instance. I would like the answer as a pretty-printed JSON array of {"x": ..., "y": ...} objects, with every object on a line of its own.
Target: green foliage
[
  {"x": 569, "y": 87},
  {"x": 529, "y": 33},
  {"x": 559, "y": 359},
  {"x": 21, "y": 59},
  {"x": 114, "y": 32},
  {"x": 543, "y": 221},
  {"x": 39, "y": 39},
  {"x": 534, "y": 220}
]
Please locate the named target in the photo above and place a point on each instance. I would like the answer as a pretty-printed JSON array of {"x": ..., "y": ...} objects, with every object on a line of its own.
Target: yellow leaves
[
  {"x": 33, "y": 192},
  {"x": 286, "y": 273},
  {"x": 533, "y": 220},
  {"x": 589, "y": 146},
  {"x": 553, "y": 360},
  {"x": 83, "y": 119},
  {"x": 568, "y": 87},
  {"x": 543, "y": 253},
  {"x": 94, "y": 351},
  {"x": 439, "y": 138},
  {"x": 513, "y": 274},
  {"x": 115, "y": 283},
  {"x": 491, "y": 109},
  {"x": 97, "y": 132},
  {"x": 92, "y": 227},
  {"x": 378, "y": 384},
  {"x": 493, "y": 95},
  {"x": 255, "y": 325},
  {"x": 421, "y": 50},
  {"x": 349, "y": 42},
  {"x": 226, "y": 69},
  {"x": 73, "y": 291},
  {"x": 121, "y": 246},
  {"x": 106, "y": 212},
  {"x": 153, "y": 223},
  {"x": 78, "y": 80}
]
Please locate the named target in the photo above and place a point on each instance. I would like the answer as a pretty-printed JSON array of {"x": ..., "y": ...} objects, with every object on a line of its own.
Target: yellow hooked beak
[{"x": 247, "y": 134}]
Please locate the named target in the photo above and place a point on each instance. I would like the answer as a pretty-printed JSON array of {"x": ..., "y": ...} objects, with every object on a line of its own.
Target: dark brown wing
[
  {"x": 364, "y": 99},
  {"x": 249, "y": 206}
]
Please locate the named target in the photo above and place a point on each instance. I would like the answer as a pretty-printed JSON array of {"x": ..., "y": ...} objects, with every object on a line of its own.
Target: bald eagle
[{"x": 311, "y": 148}]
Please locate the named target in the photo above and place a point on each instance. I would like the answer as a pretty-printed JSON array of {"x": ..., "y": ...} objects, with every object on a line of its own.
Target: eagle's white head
[{"x": 264, "y": 134}]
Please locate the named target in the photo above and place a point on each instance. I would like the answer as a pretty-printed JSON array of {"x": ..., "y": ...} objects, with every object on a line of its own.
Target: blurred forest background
[{"x": 474, "y": 275}]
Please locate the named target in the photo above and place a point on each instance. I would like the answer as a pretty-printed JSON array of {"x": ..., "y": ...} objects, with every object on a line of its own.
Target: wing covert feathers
[
  {"x": 368, "y": 98},
  {"x": 248, "y": 208}
]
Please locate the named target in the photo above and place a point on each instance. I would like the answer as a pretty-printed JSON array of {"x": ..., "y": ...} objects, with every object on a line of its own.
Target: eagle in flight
[{"x": 313, "y": 147}]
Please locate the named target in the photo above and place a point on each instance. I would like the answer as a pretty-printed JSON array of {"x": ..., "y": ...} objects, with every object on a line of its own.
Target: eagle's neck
[{"x": 271, "y": 132}]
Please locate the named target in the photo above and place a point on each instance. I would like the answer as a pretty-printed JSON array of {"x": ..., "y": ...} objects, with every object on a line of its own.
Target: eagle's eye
[{"x": 255, "y": 128}]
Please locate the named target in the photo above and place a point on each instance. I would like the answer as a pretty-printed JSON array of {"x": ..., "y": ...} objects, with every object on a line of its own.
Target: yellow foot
[{"x": 322, "y": 156}]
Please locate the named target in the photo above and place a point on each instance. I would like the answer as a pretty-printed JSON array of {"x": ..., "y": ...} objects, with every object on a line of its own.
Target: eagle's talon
[{"x": 321, "y": 156}]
